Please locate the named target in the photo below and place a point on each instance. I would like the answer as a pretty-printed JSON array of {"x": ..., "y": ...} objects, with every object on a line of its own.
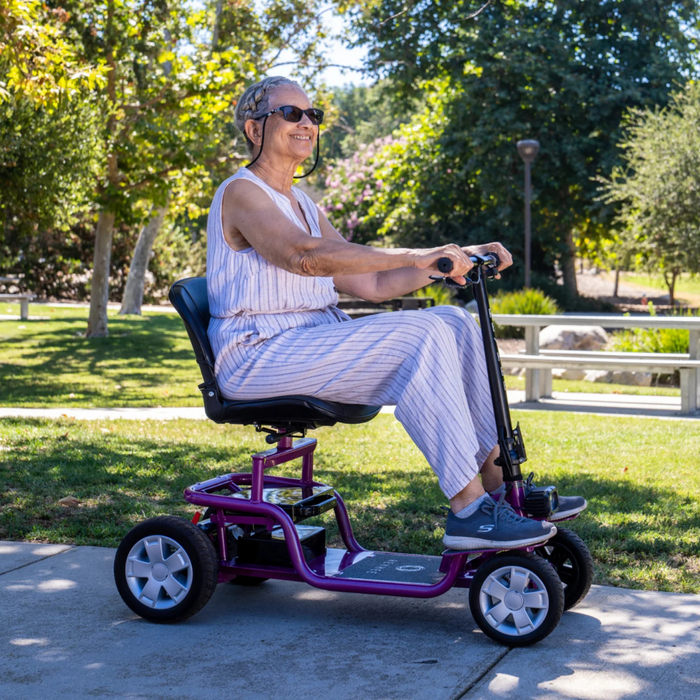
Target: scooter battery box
[{"x": 270, "y": 548}]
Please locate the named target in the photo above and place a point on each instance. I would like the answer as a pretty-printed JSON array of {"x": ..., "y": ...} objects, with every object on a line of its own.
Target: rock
[
  {"x": 69, "y": 502},
  {"x": 471, "y": 307},
  {"x": 631, "y": 378},
  {"x": 619, "y": 377},
  {"x": 573, "y": 338},
  {"x": 573, "y": 375}
]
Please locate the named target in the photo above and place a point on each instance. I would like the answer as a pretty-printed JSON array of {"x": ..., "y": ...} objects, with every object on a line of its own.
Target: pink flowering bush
[{"x": 353, "y": 190}]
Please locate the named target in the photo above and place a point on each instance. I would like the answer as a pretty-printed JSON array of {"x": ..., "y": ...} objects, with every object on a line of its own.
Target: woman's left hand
[{"x": 503, "y": 255}]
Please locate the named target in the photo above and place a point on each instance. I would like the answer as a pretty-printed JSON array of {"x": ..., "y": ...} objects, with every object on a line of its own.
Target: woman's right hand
[{"x": 427, "y": 258}]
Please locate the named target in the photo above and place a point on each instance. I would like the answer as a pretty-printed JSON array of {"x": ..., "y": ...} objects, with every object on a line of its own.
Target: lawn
[
  {"x": 146, "y": 361},
  {"x": 687, "y": 286},
  {"x": 639, "y": 476}
]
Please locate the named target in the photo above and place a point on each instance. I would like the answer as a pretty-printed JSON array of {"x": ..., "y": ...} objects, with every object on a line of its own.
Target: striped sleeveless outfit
[{"x": 275, "y": 333}]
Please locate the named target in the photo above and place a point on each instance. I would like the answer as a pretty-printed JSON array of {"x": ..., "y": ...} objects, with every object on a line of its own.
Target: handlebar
[{"x": 490, "y": 260}]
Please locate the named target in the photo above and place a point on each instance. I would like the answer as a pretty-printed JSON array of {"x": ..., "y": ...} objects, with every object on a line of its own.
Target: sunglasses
[{"x": 295, "y": 114}]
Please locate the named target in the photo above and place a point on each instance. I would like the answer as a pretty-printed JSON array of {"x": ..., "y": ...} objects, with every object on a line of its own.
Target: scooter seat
[{"x": 189, "y": 297}]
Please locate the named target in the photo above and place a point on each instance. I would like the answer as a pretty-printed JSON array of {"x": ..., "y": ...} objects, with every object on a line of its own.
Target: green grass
[
  {"x": 146, "y": 361},
  {"x": 566, "y": 385},
  {"x": 639, "y": 476},
  {"x": 687, "y": 284}
]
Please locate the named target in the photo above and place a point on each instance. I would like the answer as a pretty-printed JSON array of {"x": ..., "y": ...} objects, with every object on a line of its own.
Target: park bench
[
  {"x": 539, "y": 363},
  {"x": 358, "y": 308},
  {"x": 22, "y": 297}
]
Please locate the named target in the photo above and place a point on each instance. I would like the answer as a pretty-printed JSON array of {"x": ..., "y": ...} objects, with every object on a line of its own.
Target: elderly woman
[{"x": 274, "y": 263}]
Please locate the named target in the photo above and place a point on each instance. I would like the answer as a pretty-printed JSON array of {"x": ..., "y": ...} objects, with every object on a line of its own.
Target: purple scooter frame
[{"x": 458, "y": 567}]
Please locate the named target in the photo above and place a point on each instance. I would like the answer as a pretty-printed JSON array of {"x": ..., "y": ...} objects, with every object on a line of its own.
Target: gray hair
[{"x": 255, "y": 101}]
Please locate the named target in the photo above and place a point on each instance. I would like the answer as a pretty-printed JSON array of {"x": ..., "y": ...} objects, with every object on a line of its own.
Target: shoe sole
[
  {"x": 467, "y": 543},
  {"x": 568, "y": 513}
]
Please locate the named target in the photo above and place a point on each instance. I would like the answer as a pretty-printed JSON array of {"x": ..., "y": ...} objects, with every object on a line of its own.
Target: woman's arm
[{"x": 248, "y": 210}]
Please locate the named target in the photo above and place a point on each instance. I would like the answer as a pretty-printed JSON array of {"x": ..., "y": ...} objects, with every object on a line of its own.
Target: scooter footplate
[{"x": 395, "y": 568}]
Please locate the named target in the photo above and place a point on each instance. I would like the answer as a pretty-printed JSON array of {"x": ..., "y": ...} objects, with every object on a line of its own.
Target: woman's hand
[
  {"x": 506, "y": 259},
  {"x": 426, "y": 259}
]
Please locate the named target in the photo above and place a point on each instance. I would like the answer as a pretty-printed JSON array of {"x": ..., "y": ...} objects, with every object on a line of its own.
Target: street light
[{"x": 528, "y": 151}]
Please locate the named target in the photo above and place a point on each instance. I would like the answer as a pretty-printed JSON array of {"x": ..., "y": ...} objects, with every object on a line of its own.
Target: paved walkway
[
  {"x": 66, "y": 635},
  {"x": 598, "y": 404}
]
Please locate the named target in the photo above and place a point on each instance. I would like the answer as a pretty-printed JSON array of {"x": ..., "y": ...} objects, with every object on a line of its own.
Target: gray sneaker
[
  {"x": 494, "y": 525},
  {"x": 568, "y": 505}
]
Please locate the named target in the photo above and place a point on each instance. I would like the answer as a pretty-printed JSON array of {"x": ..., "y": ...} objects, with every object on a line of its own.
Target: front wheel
[
  {"x": 572, "y": 561},
  {"x": 166, "y": 569},
  {"x": 516, "y": 598}
]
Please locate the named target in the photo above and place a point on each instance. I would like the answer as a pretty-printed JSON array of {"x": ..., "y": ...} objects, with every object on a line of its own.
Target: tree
[
  {"x": 562, "y": 72},
  {"x": 657, "y": 189},
  {"x": 36, "y": 61},
  {"x": 168, "y": 97}
]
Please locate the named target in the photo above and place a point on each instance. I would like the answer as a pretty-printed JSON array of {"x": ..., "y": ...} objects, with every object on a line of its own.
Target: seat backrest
[{"x": 189, "y": 297}]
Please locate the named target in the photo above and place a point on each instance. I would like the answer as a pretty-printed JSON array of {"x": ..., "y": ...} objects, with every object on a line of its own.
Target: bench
[
  {"x": 539, "y": 364},
  {"x": 23, "y": 300}
]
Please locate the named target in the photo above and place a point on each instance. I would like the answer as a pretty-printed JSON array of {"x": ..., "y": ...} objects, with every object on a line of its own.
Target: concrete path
[
  {"x": 66, "y": 635},
  {"x": 597, "y": 404}
]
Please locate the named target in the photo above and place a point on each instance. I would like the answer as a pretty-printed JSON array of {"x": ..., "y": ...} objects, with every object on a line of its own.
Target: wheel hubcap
[
  {"x": 159, "y": 572},
  {"x": 514, "y": 600}
]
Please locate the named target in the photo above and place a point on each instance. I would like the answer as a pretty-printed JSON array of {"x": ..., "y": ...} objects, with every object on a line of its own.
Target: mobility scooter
[{"x": 167, "y": 568}]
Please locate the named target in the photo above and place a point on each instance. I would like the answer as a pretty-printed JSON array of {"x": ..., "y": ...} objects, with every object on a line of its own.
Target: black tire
[
  {"x": 548, "y": 588},
  {"x": 197, "y": 579},
  {"x": 572, "y": 561}
]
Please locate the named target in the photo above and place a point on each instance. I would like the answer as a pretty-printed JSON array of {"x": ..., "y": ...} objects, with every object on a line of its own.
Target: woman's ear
[{"x": 253, "y": 130}]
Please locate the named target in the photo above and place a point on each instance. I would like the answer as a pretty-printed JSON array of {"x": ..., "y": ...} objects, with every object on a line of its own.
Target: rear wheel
[
  {"x": 166, "y": 569},
  {"x": 516, "y": 598},
  {"x": 572, "y": 561}
]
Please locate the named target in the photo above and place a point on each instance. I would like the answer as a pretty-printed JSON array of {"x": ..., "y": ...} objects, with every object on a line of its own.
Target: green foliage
[
  {"x": 673, "y": 340},
  {"x": 563, "y": 73},
  {"x": 37, "y": 62},
  {"x": 658, "y": 188},
  {"x": 525, "y": 301},
  {"x": 439, "y": 292}
]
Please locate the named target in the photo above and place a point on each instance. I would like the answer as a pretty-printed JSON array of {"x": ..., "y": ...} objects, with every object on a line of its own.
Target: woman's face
[{"x": 283, "y": 139}]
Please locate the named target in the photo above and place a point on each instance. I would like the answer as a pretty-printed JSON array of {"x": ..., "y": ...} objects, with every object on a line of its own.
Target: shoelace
[{"x": 501, "y": 510}]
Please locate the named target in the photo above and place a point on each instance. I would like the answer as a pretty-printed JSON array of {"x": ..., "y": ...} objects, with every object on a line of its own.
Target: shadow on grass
[
  {"x": 150, "y": 351},
  {"x": 123, "y": 478}
]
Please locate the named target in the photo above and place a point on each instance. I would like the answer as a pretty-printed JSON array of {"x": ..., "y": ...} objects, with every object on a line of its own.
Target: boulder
[
  {"x": 631, "y": 378},
  {"x": 573, "y": 375},
  {"x": 619, "y": 377},
  {"x": 573, "y": 338}
]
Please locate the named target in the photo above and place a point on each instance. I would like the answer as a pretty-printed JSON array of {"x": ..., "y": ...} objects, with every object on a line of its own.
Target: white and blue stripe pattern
[{"x": 429, "y": 364}]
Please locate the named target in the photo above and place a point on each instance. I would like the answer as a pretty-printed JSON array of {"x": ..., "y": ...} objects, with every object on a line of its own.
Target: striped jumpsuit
[{"x": 275, "y": 333}]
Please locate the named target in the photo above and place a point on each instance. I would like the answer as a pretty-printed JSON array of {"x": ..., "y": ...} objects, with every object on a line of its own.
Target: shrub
[
  {"x": 673, "y": 340},
  {"x": 440, "y": 293},
  {"x": 525, "y": 301}
]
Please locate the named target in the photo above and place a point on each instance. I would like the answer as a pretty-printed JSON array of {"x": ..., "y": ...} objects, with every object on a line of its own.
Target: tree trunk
[
  {"x": 217, "y": 25},
  {"x": 133, "y": 293},
  {"x": 616, "y": 289},
  {"x": 568, "y": 266},
  {"x": 99, "y": 291},
  {"x": 99, "y": 288},
  {"x": 671, "y": 284}
]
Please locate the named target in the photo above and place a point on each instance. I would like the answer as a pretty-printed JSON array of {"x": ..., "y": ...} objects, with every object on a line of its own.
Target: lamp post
[{"x": 528, "y": 151}]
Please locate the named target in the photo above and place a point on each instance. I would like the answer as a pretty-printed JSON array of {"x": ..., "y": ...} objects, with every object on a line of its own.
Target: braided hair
[{"x": 255, "y": 101}]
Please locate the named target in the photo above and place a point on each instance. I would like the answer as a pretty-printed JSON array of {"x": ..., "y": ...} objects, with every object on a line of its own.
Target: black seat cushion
[{"x": 189, "y": 297}]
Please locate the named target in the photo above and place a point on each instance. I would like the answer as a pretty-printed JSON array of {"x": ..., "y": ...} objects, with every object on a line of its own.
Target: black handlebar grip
[{"x": 444, "y": 265}]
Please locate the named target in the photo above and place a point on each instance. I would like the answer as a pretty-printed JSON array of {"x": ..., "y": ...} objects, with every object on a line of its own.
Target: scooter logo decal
[
  {"x": 485, "y": 528},
  {"x": 410, "y": 567}
]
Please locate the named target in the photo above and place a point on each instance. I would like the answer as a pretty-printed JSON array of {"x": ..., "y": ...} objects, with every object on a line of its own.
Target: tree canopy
[
  {"x": 658, "y": 186},
  {"x": 564, "y": 73}
]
